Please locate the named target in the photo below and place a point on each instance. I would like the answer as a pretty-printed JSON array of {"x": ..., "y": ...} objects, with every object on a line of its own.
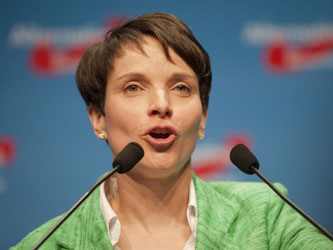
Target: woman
[
  {"x": 152, "y": 97},
  {"x": 149, "y": 82}
]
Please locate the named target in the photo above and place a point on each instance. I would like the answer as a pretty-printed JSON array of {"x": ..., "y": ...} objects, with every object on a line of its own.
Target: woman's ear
[
  {"x": 202, "y": 128},
  {"x": 97, "y": 121}
]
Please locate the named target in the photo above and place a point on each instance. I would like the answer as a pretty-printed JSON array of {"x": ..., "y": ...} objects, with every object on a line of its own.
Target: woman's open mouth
[{"x": 160, "y": 136}]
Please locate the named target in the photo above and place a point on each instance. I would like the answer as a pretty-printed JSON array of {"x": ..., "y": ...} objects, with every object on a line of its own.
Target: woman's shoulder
[
  {"x": 74, "y": 231},
  {"x": 245, "y": 189},
  {"x": 237, "y": 191},
  {"x": 265, "y": 220},
  {"x": 254, "y": 197}
]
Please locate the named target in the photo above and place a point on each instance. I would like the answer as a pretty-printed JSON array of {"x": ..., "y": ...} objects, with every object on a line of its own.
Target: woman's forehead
[{"x": 149, "y": 52}]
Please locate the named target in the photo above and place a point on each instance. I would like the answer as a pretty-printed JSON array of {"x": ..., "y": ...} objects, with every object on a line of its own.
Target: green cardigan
[{"x": 231, "y": 215}]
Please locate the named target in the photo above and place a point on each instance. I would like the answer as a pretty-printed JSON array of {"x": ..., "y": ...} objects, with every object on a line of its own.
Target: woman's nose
[{"x": 160, "y": 105}]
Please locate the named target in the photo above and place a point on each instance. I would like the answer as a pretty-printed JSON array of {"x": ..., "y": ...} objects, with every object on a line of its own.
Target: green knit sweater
[{"x": 231, "y": 215}]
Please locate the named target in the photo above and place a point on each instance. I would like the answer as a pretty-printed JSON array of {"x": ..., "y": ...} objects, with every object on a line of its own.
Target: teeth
[{"x": 160, "y": 131}]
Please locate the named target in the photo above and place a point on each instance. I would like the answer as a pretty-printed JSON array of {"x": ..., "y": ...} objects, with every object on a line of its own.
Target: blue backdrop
[{"x": 272, "y": 67}]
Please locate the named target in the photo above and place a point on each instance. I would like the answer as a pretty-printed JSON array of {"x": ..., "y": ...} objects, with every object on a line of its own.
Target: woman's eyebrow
[
  {"x": 173, "y": 77},
  {"x": 182, "y": 76},
  {"x": 131, "y": 75}
]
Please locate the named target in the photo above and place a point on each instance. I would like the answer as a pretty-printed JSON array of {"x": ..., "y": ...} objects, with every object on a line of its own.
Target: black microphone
[
  {"x": 242, "y": 157},
  {"x": 128, "y": 157},
  {"x": 124, "y": 162}
]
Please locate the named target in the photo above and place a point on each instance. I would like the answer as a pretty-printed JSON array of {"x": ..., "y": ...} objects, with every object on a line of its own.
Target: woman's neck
[{"x": 153, "y": 202}]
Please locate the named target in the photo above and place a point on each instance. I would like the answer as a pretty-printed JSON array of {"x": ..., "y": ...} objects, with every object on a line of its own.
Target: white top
[{"x": 113, "y": 224}]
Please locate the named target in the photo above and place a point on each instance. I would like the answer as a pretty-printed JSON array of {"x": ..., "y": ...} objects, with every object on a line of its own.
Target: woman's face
[{"x": 154, "y": 102}]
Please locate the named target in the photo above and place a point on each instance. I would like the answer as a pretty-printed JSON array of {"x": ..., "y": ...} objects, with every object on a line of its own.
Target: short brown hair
[{"x": 97, "y": 61}]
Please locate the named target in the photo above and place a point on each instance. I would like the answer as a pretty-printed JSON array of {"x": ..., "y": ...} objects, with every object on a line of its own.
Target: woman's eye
[
  {"x": 132, "y": 88},
  {"x": 183, "y": 89}
]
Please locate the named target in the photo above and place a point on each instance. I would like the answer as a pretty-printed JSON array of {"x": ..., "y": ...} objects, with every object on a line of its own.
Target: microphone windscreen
[
  {"x": 242, "y": 157},
  {"x": 128, "y": 157}
]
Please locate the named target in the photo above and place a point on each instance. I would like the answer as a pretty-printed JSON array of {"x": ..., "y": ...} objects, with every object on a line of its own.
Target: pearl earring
[
  {"x": 201, "y": 137},
  {"x": 101, "y": 136}
]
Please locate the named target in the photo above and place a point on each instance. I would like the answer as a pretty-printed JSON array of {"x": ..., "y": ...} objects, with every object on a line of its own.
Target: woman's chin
[{"x": 160, "y": 168}]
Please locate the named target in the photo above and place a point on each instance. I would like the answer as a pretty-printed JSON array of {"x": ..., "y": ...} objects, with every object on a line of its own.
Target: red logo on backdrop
[
  {"x": 284, "y": 57},
  {"x": 7, "y": 151},
  {"x": 57, "y": 51},
  {"x": 290, "y": 48},
  {"x": 211, "y": 160}
]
